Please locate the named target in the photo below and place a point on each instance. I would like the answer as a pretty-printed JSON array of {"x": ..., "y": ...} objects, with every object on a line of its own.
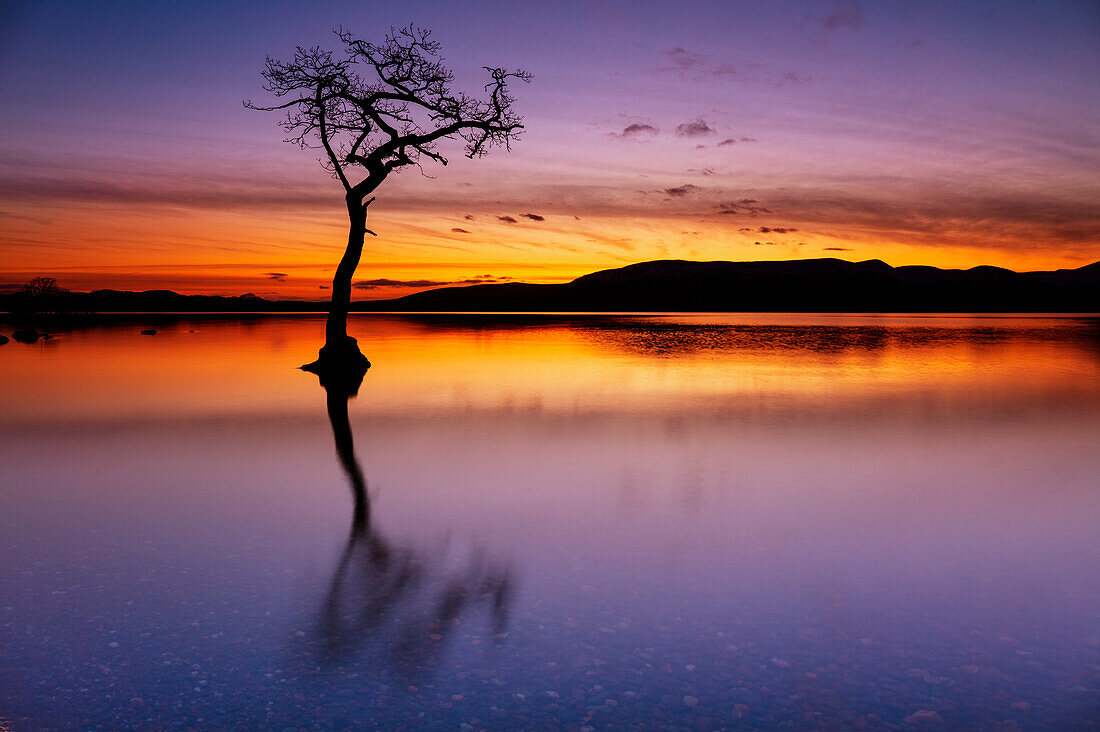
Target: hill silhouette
[
  {"x": 813, "y": 285},
  {"x": 810, "y": 285}
]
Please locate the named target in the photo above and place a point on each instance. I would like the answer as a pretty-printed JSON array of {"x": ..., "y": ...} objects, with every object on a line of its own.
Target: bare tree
[
  {"x": 42, "y": 287},
  {"x": 373, "y": 109}
]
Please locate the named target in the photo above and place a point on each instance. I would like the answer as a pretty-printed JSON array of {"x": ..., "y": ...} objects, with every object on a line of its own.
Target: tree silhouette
[
  {"x": 373, "y": 109},
  {"x": 41, "y": 287}
]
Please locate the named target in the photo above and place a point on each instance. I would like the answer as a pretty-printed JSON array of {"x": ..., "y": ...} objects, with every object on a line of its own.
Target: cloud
[
  {"x": 533, "y": 217},
  {"x": 683, "y": 190},
  {"x": 775, "y": 230},
  {"x": 278, "y": 276},
  {"x": 685, "y": 64},
  {"x": 507, "y": 219},
  {"x": 457, "y": 230},
  {"x": 683, "y": 59},
  {"x": 636, "y": 130},
  {"x": 485, "y": 279},
  {"x": 789, "y": 78},
  {"x": 846, "y": 14},
  {"x": 322, "y": 287},
  {"x": 836, "y": 249},
  {"x": 727, "y": 141},
  {"x": 745, "y": 205},
  {"x": 375, "y": 284},
  {"x": 221, "y": 193},
  {"x": 469, "y": 217},
  {"x": 747, "y": 139},
  {"x": 694, "y": 128},
  {"x": 977, "y": 218}
]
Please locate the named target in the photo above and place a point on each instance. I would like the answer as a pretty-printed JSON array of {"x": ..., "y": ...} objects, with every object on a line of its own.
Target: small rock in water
[
  {"x": 149, "y": 331},
  {"x": 691, "y": 701},
  {"x": 26, "y": 335},
  {"x": 924, "y": 715}
]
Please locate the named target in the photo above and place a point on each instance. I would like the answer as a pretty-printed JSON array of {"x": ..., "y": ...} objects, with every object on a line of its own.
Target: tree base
[{"x": 340, "y": 366}]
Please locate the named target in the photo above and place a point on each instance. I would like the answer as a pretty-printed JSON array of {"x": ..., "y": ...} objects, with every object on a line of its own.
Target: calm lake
[{"x": 562, "y": 522}]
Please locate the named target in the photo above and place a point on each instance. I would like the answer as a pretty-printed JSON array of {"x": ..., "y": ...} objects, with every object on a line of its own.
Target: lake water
[{"x": 678, "y": 522}]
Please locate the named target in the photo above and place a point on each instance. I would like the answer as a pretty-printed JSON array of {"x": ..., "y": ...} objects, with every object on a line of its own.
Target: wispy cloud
[
  {"x": 684, "y": 60},
  {"x": 277, "y": 276},
  {"x": 845, "y": 14},
  {"x": 680, "y": 191},
  {"x": 533, "y": 217},
  {"x": 457, "y": 230},
  {"x": 734, "y": 140},
  {"x": 507, "y": 219},
  {"x": 688, "y": 64},
  {"x": 744, "y": 205},
  {"x": 379, "y": 283},
  {"x": 384, "y": 283}
]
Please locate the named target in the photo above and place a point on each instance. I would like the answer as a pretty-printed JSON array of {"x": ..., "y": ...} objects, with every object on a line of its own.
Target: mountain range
[{"x": 810, "y": 285}]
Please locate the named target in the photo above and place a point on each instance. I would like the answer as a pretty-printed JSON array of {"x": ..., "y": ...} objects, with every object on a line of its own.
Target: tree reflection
[{"x": 391, "y": 596}]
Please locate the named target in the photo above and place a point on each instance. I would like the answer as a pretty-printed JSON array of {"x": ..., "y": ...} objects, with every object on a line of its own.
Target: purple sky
[{"x": 917, "y": 132}]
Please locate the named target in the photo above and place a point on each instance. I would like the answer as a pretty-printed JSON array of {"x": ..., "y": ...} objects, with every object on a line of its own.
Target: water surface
[{"x": 687, "y": 522}]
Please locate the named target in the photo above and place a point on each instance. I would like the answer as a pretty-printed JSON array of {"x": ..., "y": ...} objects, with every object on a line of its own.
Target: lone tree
[
  {"x": 41, "y": 287},
  {"x": 373, "y": 109}
]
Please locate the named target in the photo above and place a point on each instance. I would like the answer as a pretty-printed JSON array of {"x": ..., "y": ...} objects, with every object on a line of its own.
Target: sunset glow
[{"x": 926, "y": 133}]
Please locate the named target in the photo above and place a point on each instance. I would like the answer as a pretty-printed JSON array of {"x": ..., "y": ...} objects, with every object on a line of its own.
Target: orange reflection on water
[{"x": 761, "y": 366}]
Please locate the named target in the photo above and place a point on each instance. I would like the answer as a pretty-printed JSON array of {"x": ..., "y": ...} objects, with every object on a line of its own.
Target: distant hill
[{"x": 810, "y": 285}]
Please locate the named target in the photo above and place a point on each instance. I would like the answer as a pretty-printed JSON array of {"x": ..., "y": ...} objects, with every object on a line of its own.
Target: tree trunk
[
  {"x": 340, "y": 360},
  {"x": 336, "y": 329}
]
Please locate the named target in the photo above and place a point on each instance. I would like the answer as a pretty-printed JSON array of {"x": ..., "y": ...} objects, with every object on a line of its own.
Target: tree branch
[{"x": 385, "y": 106}]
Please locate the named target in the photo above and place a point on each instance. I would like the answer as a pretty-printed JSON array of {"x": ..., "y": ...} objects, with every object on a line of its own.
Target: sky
[{"x": 952, "y": 134}]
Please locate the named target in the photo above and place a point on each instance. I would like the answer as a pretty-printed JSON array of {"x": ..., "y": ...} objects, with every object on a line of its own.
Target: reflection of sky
[
  {"x": 916, "y": 133},
  {"x": 788, "y": 527}
]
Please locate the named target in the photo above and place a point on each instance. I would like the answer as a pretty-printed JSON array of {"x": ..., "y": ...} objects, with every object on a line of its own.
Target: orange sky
[{"x": 827, "y": 129}]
